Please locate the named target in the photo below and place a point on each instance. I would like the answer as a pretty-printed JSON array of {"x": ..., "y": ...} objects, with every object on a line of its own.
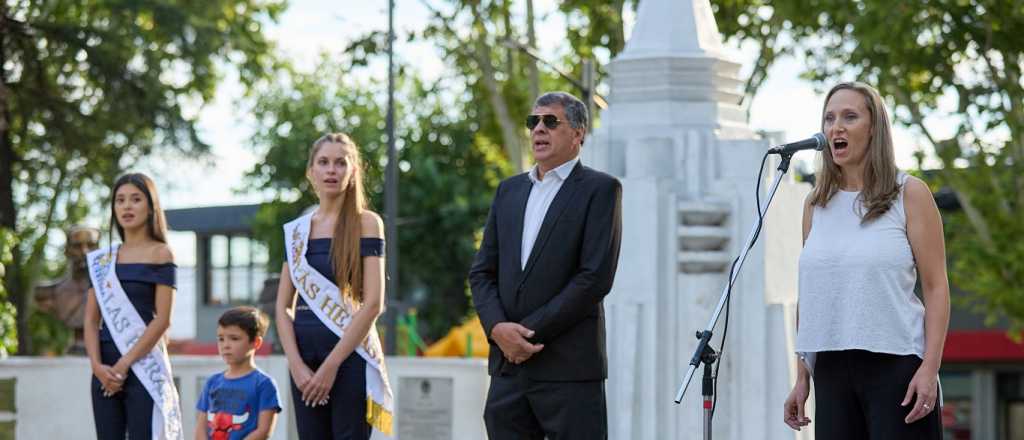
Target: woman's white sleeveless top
[{"x": 857, "y": 282}]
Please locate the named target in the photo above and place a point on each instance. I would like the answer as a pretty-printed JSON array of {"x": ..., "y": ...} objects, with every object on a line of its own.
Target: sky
[{"x": 310, "y": 27}]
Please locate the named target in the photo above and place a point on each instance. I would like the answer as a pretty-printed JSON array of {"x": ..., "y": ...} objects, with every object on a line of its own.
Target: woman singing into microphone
[{"x": 870, "y": 231}]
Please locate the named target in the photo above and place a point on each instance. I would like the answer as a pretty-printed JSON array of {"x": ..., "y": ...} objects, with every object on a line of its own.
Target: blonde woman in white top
[{"x": 871, "y": 345}]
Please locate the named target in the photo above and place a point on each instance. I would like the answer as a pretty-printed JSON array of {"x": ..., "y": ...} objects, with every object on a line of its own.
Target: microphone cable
[{"x": 728, "y": 294}]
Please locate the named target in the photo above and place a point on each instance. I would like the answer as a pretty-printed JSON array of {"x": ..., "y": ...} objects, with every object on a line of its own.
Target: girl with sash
[
  {"x": 127, "y": 314},
  {"x": 331, "y": 293}
]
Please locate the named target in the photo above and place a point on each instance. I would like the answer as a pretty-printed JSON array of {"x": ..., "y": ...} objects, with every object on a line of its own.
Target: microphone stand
[{"x": 704, "y": 353}]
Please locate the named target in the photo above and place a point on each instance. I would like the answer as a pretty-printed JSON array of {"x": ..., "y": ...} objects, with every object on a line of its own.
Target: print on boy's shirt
[
  {"x": 221, "y": 424},
  {"x": 232, "y": 406}
]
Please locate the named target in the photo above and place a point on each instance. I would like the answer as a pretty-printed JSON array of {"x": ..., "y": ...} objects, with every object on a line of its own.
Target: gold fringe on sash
[{"x": 378, "y": 417}]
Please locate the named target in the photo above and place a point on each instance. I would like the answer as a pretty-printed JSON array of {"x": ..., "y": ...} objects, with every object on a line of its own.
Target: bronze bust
[{"x": 65, "y": 298}]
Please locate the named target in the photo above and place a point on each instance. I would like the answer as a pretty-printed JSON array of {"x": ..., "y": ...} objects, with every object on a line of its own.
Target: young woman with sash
[
  {"x": 127, "y": 314},
  {"x": 331, "y": 293}
]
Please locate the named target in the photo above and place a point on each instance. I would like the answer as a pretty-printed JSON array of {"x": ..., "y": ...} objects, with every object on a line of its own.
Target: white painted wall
[
  {"x": 53, "y": 401},
  {"x": 183, "y": 315}
]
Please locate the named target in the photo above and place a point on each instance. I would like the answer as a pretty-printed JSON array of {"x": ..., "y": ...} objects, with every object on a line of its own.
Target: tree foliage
[
  {"x": 943, "y": 64},
  {"x": 8, "y": 328},
  {"x": 957, "y": 62},
  {"x": 487, "y": 45},
  {"x": 482, "y": 45},
  {"x": 89, "y": 87},
  {"x": 448, "y": 173}
]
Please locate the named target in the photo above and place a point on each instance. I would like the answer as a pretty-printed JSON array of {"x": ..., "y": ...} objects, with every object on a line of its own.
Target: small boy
[{"x": 241, "y": 403}]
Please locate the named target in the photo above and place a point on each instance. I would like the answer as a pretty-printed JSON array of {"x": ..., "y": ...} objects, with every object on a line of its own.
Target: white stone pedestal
[{"x": 675, "y": 136}]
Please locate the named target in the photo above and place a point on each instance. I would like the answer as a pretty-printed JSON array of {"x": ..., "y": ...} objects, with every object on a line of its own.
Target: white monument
[{"x": 678, "y": 140}]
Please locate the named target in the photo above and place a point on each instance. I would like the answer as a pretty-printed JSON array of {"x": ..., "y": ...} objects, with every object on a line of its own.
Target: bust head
[{"x": 80, "y": 241}]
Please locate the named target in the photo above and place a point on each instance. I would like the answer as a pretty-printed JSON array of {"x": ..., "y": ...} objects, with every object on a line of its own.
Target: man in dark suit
[{"x": 548, "y": 258}]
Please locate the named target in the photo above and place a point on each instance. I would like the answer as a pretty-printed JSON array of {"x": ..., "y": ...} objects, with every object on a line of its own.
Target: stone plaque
[{"x": 425, "y": 408}]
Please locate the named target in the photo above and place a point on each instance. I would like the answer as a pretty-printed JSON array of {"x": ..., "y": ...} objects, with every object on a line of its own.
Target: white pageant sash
[
  {"x": 335, "y": 311},
  {"x": 126, "y": 327}
]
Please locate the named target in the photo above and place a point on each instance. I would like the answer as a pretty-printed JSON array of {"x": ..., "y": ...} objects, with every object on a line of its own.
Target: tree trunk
[
  {"x": 513, "y": 141},
  {"x": 506, "y": 18},
  {"x": 531, "y": 64},
  {"x": 620, "y": 29},
  {"x": 8, "y": 211},
  {"x": 28, "y": 273}
]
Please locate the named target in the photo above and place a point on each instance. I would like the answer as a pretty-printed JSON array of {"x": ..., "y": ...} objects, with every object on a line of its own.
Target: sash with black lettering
[
  {"x": 126, "y": 327},
  {"x": 335, "y": 310}
]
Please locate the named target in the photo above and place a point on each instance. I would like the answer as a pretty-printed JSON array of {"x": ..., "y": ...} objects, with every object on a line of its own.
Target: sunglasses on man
[{"x": 550, "y": 121}]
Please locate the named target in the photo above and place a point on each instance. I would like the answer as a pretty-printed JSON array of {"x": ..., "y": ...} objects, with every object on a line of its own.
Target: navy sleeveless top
[
  {"x": 318, "y": 253},
  {"x": 139, "y": 281}
]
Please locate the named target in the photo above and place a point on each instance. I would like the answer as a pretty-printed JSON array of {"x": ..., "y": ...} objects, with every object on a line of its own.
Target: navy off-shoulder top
[
  {"x": 139, "y": 281},
  {"x": 318, "y": 253}
]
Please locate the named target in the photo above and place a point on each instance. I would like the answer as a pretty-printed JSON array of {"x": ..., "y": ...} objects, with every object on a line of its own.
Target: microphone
[{"x": 816, "y": 142}]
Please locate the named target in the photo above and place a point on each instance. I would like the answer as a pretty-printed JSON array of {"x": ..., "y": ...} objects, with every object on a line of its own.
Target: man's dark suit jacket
[{"x": 559, "y": 294}]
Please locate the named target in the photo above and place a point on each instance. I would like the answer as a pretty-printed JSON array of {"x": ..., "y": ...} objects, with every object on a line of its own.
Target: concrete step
[
  {"x": 703, "y": 238},
  {"x": 704, "y": 261},
  {"x": 703, "y": 213}
]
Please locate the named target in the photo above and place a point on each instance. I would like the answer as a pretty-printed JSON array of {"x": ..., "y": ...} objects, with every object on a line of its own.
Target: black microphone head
[
  {"x": 816, "y": 142},
  {"x": 821, "y": 141}
]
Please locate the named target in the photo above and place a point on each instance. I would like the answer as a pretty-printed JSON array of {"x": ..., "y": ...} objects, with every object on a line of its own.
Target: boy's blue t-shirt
[{"x": 233, "y": 406}]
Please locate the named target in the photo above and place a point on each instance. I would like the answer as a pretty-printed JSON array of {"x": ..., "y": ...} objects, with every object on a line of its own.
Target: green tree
[
  {"x": 958, "y": 62},
  {"x": 487, "y": 47},
  {"x": 920, "y": 56},
  {"x": 448, "y": 172},
  {"x": 89, "y": 87},
  {"x": 445, "y": 197},
  {"x": 8, "y": 328},
  {"x": 480, "y": 40},
  {"x": 289, "y": 116}
]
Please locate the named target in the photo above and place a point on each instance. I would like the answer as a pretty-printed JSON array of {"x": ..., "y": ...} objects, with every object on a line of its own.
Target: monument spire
[
  {"x": 674, "y": 28},
  {"x": 675, "y": 57},
  {"x": 677, "y": 137}
]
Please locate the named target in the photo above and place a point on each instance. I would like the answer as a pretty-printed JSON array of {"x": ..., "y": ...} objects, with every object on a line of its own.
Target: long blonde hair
[
  {"x": 881, "y": 186},
  {"x": 348, "y": 263}
]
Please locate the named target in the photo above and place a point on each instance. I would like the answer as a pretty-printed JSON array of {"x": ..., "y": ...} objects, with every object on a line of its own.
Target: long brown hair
[
  {"x": 881, "y": 186},
  {"x": 156, "y": 223},
  {"x": 348, "y": 263}
]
